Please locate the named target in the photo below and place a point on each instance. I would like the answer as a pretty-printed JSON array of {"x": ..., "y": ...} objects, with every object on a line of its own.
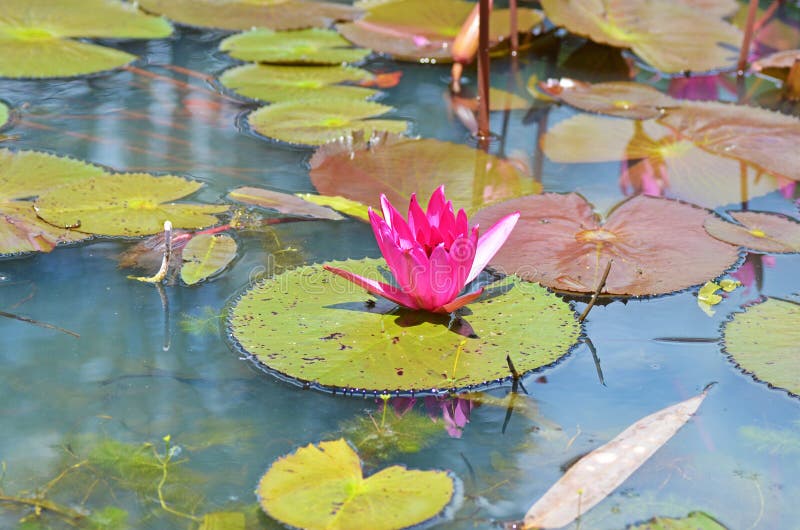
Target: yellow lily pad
[
  {"x": 36, "y": 36},
  {"x": 5, "y": 114},
  {"x": 322, "y": 487},
  {"x": 205, "y": 255},
  {"x": 133, "y": 204},
  {"x": 308, "y": 46}
]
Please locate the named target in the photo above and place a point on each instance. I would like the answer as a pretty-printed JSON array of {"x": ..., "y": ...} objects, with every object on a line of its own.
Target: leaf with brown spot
[
  {"x": 658, "y": 245},
  {"x": 759, "y": 231}
]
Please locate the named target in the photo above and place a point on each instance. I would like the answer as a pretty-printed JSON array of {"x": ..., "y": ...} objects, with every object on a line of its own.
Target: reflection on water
[{"x": 84, "y": 420}]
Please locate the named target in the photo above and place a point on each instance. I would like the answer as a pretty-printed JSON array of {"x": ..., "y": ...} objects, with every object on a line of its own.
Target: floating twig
[
  {"x": 39, "y": 323},
  {"x": 596, "y": 292}
]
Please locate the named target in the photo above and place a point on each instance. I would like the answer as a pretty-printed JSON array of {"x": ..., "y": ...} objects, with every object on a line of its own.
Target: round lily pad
[
  {"x": 25, "y": 175},
  {"x": 133, "y": 204},
  {"x": 312, "y": 327},
  {"x": 309, "y": 46},
  {"x": 759, "y": 231},
  {"x": 323, "y": 488},
  {"x": 291, "y": 83},
  {"x": 205, "y": 255},
  {"x": 763, "y": 341},
  {"x": 317, "y": 121},
  {"x": 657, "y": 245},
  {"x": 619, "y": 98},
  {"x": 240, "y": 15},
  {"x": 35, "y": 36},
  {"x": 399, "y": 166},
  {"x": 425, "y": 29}
]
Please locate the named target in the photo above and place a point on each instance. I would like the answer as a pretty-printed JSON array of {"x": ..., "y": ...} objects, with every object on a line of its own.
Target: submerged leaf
[
  {"x": 35, "y": 36},
  {"x": 382, "y": 436},
  {"x": 323, "y": 487},
  {"x": 763, "y": 341},
  {"x": 317, "y": 121},
  {"x": 657, "y": 245},
  {"x": 425, "y": 29},
  {"x": 205, "y": 255},
  {"x": 399, "y": 166},
  {"x": 223, "y": 521},
  {"x": 309, "y": 46},
  {"x": 283, "y": 203},
  {"x": 312, "y": 326},
  {"x": 670, "y": 36},
  {"x": 599, "y": 473},
  {"x": 125, "y": 205},
  {"x": 623, "y": 99},
  {"x": 291, "y": 83},
  {"x": 240, "y": 15},
  {"x": 693, "y": 521},
  {"x": 760, "y": 231}
]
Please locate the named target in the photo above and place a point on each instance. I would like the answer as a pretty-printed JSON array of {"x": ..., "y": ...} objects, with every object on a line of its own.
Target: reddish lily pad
[
  {"x": 307, "y": 46},
  {"x": 658, "y": 245},
  {"x": 239, "y": 15},
  {"x": 668, "y": 164},
  {"x": 671, "y": 36},
  {"x": 759, "y": 231},
  {"x": 399, "y": 166},
  {"x": 415, "y": 30},
  {"x": 758, "y": 136},
  {"x": 623, "y": 99},
  {"x": 318, "y": 121}
]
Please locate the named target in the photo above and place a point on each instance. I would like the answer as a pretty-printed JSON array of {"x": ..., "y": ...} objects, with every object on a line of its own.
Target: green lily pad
[
  {"x": 291, "y": 83},
  {"x": 399, "y": 166},
  {"x": 323, "y": 487},
  {"x": 5, "y": 114},
  {"x": 24, "y": 175},
  {"x": 340, "y": 204},
  {"x": 693, "y": 521},
  {"x": 313, "y": 327},
  {"x": 414, "y": 30},
  {"x": 206, "y": 255},
  {"x": 125, "y": 205},
  {"x": 240, "y": 15},
  {"x": 223, "y": 521},
  {"x": 318, "y": 121},
  {"x": 618, "y": 98},
  {"x": 763, "y": 341},
  {"x": 759, "y": 231},
  {"x": 671, "y": 36},
  {"x": 309, "y": 46},
  {"x": 35, "y": 36}
]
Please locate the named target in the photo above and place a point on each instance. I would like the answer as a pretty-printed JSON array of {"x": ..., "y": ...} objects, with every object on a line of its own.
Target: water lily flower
[{"x": 432, "y": 255}]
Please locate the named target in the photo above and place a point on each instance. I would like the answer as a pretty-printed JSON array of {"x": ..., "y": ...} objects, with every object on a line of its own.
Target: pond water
[{"x": 154, "y": 362}]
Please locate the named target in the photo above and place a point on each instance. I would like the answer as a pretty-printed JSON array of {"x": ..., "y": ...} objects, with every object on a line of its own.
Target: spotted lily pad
[
  {"x": 308, "y": 46},
  {"x": 658, "y": 245},
  {"x": 662, "y": 162},
  {"x": 760, "y": 231},
  {"x": 291, "y": 83},
  {"x": 36, "y": 36},
  {"x": 425, "y": 29},
  {"x": 317, "y": 121},
  {"x": 133, "y": 204},
  {"x": 205, "y": 255},
  {"x": 323, "y": 488},
  {"x": 399, "y": 166},
  {"x": 671, "y": 36},
  {"x": 313, "y": 327},
  {"x": 240, "y": 15},
  {"x": 763, "y": 341},
  {"x": 619, "y": 98},
  {"x": 693, "y": 521},
  {"x": 25, "y": 175}
]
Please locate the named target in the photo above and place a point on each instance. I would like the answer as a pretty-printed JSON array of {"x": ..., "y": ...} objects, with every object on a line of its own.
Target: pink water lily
[{"x": 432, "y": 255}]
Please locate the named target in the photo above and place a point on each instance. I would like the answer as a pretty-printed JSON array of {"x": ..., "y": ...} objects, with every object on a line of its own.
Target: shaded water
[{"x": 136, "y": 374}]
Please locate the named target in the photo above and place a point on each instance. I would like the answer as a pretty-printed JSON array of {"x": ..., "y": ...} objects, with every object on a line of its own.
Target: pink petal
[
  {"x": 436, "y": 206},
  {"x": 397, "y": 223},
  {"x": 461, "y": 301},
  {"x": 462, "y": 254},
  {"x": 417, "y": 220},
  {"x": 375, "y": 287},
  {"x": 437, "y": 284},
  {"x": 490, "y": 242}
]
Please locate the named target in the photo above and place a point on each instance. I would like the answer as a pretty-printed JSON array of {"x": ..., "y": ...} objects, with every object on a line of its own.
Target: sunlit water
[{"x": 137, "y": 374}]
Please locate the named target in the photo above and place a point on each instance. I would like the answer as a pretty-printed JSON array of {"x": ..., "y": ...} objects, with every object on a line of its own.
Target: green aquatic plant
[
  {"x": 308, "y": 46},
  {"x": 206, "y": 255}
]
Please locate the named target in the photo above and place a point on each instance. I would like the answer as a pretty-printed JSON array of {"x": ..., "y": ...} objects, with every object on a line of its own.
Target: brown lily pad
[
  {"x": 239, "y": 15},
  {"x": 399, "y": 166},
  {"x": 783, "y": 59},
  {"x": 658, "y": 246},
  {"x": 620, "y": 98},
  {"x": 414, "y": 30},
  {"x": 759, "y": 231},
  {"x": 671, "y": 36}
]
